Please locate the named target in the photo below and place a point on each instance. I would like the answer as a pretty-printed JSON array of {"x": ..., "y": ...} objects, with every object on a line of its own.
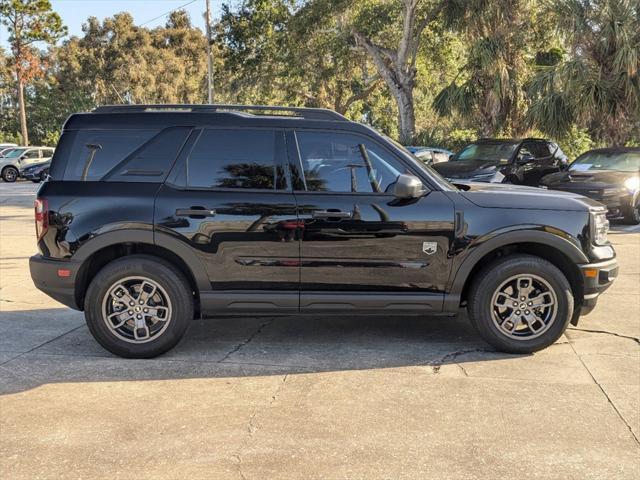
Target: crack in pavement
[
  {"x": 247, "y": 340},
  {"x": 437, "y": 364},
  {"x": 615, "y": 409},
  {"x": 628, "y": 337},
  {"x": 252, "y": 427}
]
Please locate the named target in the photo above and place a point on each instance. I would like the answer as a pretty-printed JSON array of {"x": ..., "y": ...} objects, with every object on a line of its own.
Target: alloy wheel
[
  {"x": 136, "y": 309},
  {"x": 524, "y": 306},
  {"x": 10, "y": 174}
]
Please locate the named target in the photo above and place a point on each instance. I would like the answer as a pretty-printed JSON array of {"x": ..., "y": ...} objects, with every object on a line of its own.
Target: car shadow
[{"x": 234, "y": 347}]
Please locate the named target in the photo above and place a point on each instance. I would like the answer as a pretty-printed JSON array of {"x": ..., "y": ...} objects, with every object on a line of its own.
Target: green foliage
[
  {"x": 597, "y": 87},
  {"x": 566, "y": 68}
]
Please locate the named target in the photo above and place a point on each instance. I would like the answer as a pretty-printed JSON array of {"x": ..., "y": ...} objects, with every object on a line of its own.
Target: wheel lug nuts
[
  {"x": 522, "y": 298},
  {"x": 130, "y": 312},
  {"x": 515, "y": 304},
  {"x": 526, "y": 312},
  {"x": 140, "y": 302},
  {"x": 530, "y": 303},
  {"x": 138, "y": 316},
  {"x": 131, "y": 304},
  {"x": 517, "y": 312}
]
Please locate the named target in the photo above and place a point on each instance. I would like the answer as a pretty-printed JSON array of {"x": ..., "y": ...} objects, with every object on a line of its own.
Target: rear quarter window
[{"x": 119, "y": 155}]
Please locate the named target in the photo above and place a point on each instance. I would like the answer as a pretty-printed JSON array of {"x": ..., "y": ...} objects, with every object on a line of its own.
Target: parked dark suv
[
  {"x": 493, "y": 160},
  {"x": 154, "y": 215}
]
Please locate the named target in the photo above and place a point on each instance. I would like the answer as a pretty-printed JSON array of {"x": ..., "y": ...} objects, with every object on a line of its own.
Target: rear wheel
[
  {"x": 10, "y": 174},
  {"x": 138, "y": 306},
  {"x": 520, "y": 304}
]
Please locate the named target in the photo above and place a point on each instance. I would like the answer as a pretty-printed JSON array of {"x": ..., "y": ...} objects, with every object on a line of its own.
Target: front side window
[
  {"x": 31, "y": 154},
  {"x": 236, "y": 159},
  {"x": 538, "y": 150},
  {"x": 339, "y": 162}
]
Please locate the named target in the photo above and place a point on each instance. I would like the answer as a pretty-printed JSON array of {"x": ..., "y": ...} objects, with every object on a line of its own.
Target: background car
[
  {"x": 36, "y": 173},
  {"x": 518, "y": 161},
  {"x": 430, "y": 155},
  {"x": 19, "y": 158},
  {"x": 5, "y": 150},
  {"x": 608, "y": 175}
]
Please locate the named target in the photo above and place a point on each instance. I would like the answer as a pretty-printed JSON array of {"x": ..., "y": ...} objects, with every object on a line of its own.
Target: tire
[
  {"x": 632, "y": 214},
  {"x": 10, "y": 174},
  {"x": 170, "y": 304},
  {"x": 500, "y": 283}
]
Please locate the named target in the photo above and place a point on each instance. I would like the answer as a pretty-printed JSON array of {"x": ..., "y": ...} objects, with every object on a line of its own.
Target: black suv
[
  {"x": 518, "y": 161},
  {"x": 155, "y": 215}
]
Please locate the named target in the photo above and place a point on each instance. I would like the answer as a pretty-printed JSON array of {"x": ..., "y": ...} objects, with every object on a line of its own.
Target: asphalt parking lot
[{"x": 306, "y": 398}]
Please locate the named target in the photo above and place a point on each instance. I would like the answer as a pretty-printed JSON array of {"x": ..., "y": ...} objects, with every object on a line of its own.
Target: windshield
[
  {"x": 496, "y": 152},
  {"x": 14, "y": 153},
  {"x": 620, "y": 161}
]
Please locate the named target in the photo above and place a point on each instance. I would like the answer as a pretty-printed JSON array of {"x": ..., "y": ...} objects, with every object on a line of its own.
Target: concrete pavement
[{"x": 304, "y": 398}]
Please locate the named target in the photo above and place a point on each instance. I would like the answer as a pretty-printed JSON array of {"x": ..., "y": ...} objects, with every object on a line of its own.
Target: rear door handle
[
  {"x": 338, "y": 215},
  {"x": 195, "y": 212}
]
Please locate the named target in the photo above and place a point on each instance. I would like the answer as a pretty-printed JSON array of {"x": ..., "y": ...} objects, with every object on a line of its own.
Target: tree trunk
[
  {"x": 23, "y": 111},
  {"x": 406, "y": 114}
]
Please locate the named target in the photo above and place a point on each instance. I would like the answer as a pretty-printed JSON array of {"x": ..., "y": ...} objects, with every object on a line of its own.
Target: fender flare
[
  {"x": 529, "y": 234},
  {"x": 148, "y": 237}
]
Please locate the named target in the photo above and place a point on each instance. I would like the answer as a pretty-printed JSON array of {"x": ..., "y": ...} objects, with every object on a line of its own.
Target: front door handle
[
  {"x": 328, "y": 214},
  {"x": 195, "y": 212}
]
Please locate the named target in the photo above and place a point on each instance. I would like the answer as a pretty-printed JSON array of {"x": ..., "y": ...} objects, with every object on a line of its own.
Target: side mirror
[{"x": 408, "y": 186}]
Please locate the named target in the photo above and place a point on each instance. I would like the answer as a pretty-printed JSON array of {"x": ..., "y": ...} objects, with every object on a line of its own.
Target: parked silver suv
[{"x": 18, "y": 158}]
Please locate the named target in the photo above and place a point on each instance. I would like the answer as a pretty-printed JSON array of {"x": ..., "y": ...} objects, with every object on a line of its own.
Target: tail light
[{"x": 42, "y": 217}]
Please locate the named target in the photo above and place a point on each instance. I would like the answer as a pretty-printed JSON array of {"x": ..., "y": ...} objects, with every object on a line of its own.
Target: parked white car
[{"x": 19, "y": 158}]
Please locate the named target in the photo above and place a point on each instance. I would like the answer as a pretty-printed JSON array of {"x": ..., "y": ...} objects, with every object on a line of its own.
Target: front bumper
[
  {"x": 597, "y": 277},
  {"x": 50, "y": 276}
]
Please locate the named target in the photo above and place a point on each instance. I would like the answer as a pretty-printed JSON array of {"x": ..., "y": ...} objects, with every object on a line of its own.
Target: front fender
[{"x": 482, "y": 246}]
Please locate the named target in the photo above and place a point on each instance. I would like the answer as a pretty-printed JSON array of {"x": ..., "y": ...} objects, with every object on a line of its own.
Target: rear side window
[
  {"x": 96, "y": 152},
  {"x": 244, "y": 159}
]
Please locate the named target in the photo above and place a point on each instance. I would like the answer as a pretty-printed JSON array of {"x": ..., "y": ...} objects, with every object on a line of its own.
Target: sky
[{"x": 75, "y": 12}]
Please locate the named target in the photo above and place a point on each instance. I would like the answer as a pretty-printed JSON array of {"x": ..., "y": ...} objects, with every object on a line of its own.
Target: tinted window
[
  {"x": 153, "y": 160},
  {"x": 32, "y": 154},
  {"x": 537, "y": 149},
  {"x": 338, "y": 162},
  {"x": 98, "y": 151},
  {"x": 236, "y": 159}
]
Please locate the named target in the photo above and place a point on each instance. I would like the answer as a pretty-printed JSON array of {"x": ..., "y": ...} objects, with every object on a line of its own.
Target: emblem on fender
[{"x": 429, "y": 247}]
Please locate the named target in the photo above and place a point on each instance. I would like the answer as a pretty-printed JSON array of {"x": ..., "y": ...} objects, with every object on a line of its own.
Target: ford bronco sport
[{"x": 155, "y": 215}]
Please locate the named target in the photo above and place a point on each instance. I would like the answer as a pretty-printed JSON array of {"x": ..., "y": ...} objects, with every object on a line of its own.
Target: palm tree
[
  {"x": 596, "y": 84},
  {"x": 488, "y": 87}
]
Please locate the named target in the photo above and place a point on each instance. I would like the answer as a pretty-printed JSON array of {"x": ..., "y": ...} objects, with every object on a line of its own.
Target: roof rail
[{"x": 307, "y": 113}]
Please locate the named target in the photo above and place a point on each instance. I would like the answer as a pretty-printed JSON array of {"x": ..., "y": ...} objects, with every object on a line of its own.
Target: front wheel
[
  {"x": 632, "y": 213},
  {"x": 520, "y": 303},
  {"x": 10, "y": 174},
  {"x": 138, "y": 306}
]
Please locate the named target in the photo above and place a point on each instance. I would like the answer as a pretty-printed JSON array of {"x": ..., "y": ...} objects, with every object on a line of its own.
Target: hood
[
  {"x": 593, "y": 177},
  {"x": 466, "y": 168},
  {"x": 501, "y": 195}
]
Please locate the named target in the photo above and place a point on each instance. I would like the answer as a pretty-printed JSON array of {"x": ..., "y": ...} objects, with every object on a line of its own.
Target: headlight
[
  {"x": 599, "y": 228},
  {"x": 632, "y": 184}
]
